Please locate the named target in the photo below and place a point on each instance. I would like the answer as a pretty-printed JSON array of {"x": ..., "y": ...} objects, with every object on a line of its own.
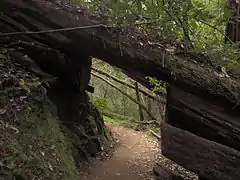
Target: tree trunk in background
[
  {"x": 126, "y": 94},
  {"x": 141, "y": 117},
  {"x": 154, "y": 97},
  {"x": 233, "y": 27},
  {"x": 105, "y": 92},
  {"x": 149, "y": 105},
  {"x": 162, "y": 109}
]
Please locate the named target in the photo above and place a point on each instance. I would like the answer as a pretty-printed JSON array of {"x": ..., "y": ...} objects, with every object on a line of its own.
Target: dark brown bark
[
  {"x": 210, "y": 160},
  {"x": 191, "y": 113},
  {"x": 164, "y": 174},
  {"x": 233, "y": 27},
  {"x": 82, "y": 119},
  {"x": 129, "y": 54}
]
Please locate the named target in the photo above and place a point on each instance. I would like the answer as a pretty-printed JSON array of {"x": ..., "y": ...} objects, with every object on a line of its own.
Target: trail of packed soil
[{"x": 133, "y": 157}]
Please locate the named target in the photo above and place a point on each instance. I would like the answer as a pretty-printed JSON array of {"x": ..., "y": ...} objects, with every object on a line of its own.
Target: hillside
[{"x": 34, "y": 142}]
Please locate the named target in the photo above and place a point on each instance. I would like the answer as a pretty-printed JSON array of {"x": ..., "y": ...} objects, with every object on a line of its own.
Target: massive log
[
  {"x": 210, "y": 160},
  {"x": 208, "y": 120},
  {"x": 128, "y": 49},
  {"x": 189, "y": 118},
  {"x": 163, "y": 173}
]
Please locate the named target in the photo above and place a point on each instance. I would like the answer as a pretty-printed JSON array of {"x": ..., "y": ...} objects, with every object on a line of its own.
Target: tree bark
[
  {"x": 233, "y": 27},
  {"x": 128, "y": 49},
  {"x": 210, "y": 121},
  {"x": 163, "y": 173},
  {"x": 141, "y": 117},
  {"x": 210, "y": 160}
]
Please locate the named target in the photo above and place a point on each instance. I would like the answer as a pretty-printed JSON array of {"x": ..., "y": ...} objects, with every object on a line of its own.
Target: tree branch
[
  {"x": 148, "y": 122},
  {"x": 155, "y": 134},
  {"x": 131, "y": 98},
  {"x": 141, "y": 116},
  {"x": 215, "y": 29},
  {"x": 162, "y": 100}
]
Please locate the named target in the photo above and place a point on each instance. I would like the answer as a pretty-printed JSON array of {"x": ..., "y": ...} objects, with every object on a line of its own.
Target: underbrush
[
  {"x": 38, "y": 149},
  {"x": 117, "y": 122},
  {"x": 157, "y": 130},
  {"x": 133, "y": 125}
]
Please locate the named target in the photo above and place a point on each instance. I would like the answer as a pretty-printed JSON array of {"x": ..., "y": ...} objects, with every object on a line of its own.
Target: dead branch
[
  {"x": 162, "y": 100},
  {"x": 131, "y": 98},
  {"x": 155, "y": 134},
  {"x": 148, "y": 122},
  {"x": 53, "y": 30}
]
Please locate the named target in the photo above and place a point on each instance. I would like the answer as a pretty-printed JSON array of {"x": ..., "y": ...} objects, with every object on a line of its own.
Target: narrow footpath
[{"x": 133, "y": 157}]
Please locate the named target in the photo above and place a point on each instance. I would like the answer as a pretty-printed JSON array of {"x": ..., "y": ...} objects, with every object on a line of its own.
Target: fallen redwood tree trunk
[
  {"x": 201, "y": 136},
  {"x": 210, "y": 160},
  {"x": 128, "y": 49}
]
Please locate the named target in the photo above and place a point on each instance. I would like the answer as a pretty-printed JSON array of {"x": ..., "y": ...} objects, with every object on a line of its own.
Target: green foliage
[
  {"x": 158, "y": 85},
  {"x": 100, "y": 102},
  {"x": 40, "y": 149},
  {"x": 130, "y": 124},
  {"x": 201, "y": 21},
  {"x": 154, "y": 129},
  {"x": 114, "y": 104},
  {"x": 118, "y": 122},
  {"x": 114, "y": 101},
  {"x": 113, "y": 115}
]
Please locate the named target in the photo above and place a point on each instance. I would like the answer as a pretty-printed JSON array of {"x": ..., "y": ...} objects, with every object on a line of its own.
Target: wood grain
[{"x": 210, "y": 160}]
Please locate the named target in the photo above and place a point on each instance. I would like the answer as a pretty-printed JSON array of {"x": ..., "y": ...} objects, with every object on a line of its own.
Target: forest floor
[{"x": 133, "y": 157}]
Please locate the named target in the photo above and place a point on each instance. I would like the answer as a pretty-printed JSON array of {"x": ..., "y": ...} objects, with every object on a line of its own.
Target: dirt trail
[{"x": 132, "y": 159}]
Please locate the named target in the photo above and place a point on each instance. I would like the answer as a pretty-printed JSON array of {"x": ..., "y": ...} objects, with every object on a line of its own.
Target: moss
[
  {"x": 118, "y": 122},
  {"x": 113, "y": 115},
  {"x": 34, "y": 144},
  {"x": 133, "y": 125},
  {"x": 40, "y": 150}
]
